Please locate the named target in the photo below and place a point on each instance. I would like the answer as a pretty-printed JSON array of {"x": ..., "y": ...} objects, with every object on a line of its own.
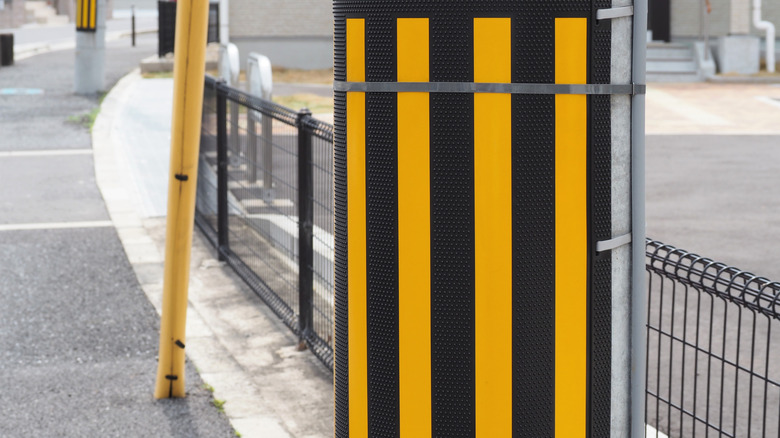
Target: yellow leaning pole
[{"x": 189, "y": 69}]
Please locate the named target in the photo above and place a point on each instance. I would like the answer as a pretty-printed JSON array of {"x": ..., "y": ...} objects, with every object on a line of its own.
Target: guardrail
[{"x": 266, "y": 179}]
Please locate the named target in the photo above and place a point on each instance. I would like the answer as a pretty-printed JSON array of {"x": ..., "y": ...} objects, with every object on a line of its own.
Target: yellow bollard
[{"x": 189, "y": 69}]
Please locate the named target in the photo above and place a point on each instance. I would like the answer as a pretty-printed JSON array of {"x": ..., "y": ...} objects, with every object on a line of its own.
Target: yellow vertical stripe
[
  {"x": 92, "y": 13},
  {"x": 356, "y": 229},
  {"x": 414, "y": 232},
  {"x": 493, "y": 229},
  {"x": 80, "y": 13},
  {"x": 570, "y": 230}
]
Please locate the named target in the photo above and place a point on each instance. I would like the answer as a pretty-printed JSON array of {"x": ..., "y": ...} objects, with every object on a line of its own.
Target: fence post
[
  {"x": 305, "y": 228},
  {"x": 222, "y": 172},
  {"x": 268, "y": 157},
  {"x": 251, "y": 144}
]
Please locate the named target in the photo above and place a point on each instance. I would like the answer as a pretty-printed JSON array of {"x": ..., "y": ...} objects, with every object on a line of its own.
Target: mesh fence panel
[
  {"x": 261, "y": 241},
  {"x": 711, "y": 368}
]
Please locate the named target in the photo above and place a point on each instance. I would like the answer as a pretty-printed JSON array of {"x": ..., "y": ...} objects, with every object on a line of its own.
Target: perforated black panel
[
  {"x": 601, "y": 270},
  {"x": 600, "y": 213},
  {"x": 533, "y": 265},
  {"x": 382, "y": 259},
  {"x": 452, "y": 230},
  {"x": 533, "y": 192},
  {"x": 452, "y": 265},
  {"x": 341, "y": 329}
]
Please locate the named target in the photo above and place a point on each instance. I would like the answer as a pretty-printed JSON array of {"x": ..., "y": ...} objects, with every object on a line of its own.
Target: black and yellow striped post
[
  {"x": 86, "y": 15},
  {"x": 473, "y": 161},
  {"x": 89, "y": 68}
]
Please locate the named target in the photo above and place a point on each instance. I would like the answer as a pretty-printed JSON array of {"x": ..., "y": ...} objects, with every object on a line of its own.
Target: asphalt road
[
  {"x": 716, "y": 195},
  {"x": 78, "y": 337}
]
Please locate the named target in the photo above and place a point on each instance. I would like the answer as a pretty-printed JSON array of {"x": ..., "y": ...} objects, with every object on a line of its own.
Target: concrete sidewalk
[{"x": 239, "y": 346}]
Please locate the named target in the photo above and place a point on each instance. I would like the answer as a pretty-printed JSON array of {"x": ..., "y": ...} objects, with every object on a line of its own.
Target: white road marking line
[
  {"x": 772, "y": 101},
  {"x": 651, "y": 432},
  {"x": 56, "y": 226},
  {"x": 684, "y": 110},
  {"x": 45, "y": 153},
  {"x": 259, "y": 203}
]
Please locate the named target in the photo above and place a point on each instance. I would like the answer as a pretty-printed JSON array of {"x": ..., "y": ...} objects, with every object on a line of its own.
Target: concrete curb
[{"x": 239, "y": 347}]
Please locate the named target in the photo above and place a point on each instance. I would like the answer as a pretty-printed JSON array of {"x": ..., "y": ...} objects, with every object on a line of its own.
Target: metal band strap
[
  {"x": 615, "y": 242},
  {"x": 607, "y": 14},
  {"x": 481, "y": 87}
]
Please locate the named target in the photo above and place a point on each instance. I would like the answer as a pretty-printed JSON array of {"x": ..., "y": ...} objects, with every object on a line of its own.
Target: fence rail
[{"x": 265, "y": 201}]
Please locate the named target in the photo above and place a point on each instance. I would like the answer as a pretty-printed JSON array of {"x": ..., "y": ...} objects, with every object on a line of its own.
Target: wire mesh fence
[
  {"x": 264, "y": 181},
  {"x": 265, "y": 200},
  {"x": 711, "y": 368}
]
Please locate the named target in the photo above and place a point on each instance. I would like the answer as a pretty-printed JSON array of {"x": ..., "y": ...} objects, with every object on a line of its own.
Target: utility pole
[
  {"x": 489, "y": 217},
  {"x": 90, "y": 76}
]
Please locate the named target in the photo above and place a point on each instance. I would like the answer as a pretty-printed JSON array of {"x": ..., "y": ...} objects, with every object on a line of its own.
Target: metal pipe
[
  {"x": 770, "y": 35},
  {"x": 132, "y": 23},
  {"x": 638, "y": 299},
  {"x": 189, "y": 68}
]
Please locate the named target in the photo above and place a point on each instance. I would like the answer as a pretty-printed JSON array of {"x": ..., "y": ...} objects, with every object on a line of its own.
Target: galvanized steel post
[{"x": 89, "y": 74}]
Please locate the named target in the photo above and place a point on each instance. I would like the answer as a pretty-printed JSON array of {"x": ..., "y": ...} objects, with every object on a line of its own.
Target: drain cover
[{"x": 20, "y": 91}]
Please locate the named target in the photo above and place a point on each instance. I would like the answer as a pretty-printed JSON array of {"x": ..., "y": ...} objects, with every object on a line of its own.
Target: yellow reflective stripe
[
  {"x": 493, "y": 229},
  {"x": 356, "y": 229},
  {"x": 414, "y": 233},
  {"x": 80, "y": 13},
  {"x": 92, "y": 13},
  {"x": 570, "y": 230}
]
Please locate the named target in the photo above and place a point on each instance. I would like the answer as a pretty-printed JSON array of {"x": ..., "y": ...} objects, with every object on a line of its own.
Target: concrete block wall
[
  {"x": 292, "y": 33},
  {"x": 281, "y": 18},
  {"x": 12, "y": 15}
]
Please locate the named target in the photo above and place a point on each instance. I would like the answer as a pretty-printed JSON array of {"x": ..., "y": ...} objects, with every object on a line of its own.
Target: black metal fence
[
  {"x": 265, "y": 201},
  {"x": 711, "y": 368}
]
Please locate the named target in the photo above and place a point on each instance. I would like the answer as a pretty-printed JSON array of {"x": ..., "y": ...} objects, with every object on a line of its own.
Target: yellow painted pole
[{"x": 189, "y": 68}]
